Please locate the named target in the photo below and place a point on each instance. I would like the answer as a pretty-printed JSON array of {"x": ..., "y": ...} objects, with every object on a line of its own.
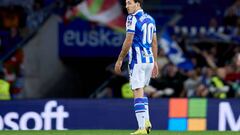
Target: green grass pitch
[{"x": 112, "y": 132}]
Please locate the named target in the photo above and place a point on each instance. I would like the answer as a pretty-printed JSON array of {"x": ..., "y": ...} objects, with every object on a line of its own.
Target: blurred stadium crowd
[
  {"x": 18, "y": 20},
  {"x": 207, "y": 33},
  {"x": 206, "y": 37},
  {"x": 213, "y": 53}
]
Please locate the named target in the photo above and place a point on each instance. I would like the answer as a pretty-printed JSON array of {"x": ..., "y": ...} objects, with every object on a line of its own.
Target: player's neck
[{"x": 137, "y": 10}]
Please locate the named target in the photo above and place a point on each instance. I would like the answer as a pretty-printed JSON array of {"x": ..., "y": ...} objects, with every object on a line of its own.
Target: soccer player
[{"x": 141, "y": 46}]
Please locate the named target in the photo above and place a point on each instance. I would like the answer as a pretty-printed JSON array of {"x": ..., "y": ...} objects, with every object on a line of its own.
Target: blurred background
[{"x": 66, "y": 50}]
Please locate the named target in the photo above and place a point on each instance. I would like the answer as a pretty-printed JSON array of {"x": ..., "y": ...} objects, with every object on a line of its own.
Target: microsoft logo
[{"x": 187, "y": 114}]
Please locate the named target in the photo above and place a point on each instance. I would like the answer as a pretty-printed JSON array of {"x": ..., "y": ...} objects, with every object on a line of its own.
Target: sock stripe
[
  {"x": 136, "y": 104},
  {"x": 138, "y": 100},
  {"x": 139, "y": 111},
  {"x": 139, "y": 107}
]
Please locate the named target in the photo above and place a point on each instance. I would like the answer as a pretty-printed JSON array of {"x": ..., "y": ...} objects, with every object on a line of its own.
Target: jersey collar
[{"x": 139, "y": 10}]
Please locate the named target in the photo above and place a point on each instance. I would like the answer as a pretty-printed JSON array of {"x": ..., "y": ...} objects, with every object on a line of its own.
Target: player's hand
[
  {"x": 155, "y": 70},
  {"x": 118, "y": 66}
]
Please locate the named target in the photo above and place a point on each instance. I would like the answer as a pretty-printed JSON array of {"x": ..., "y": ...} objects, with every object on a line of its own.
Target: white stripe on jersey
[
  {"x": 138, "y": 53},
  {"x": 131, "y": 23},
  {"x": 146, "y": 55},
  {"x": 130, "y": 55},
  {"x": 151, "y": 55}
]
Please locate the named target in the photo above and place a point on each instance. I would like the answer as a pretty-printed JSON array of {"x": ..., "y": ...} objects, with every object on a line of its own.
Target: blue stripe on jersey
[
  {"x": 144, "y": 55},
  {"x": 150, "y": 53},
  {"x": 133, "y": 60},
  {"x": 143, "y": 58},
  {"x": 131, "y": 65},
  {"x": 151, "y": 60},
  {"x": 139, "y": 14},
  {"x": 138, "y": 48}
]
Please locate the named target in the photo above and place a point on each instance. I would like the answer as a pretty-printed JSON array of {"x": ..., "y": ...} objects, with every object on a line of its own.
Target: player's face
[
  {"x": 131, "y": 6},
  {"x": 238, "y": 60}
]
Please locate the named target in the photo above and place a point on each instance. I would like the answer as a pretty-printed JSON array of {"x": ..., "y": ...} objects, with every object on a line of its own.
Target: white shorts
[{"x": 140, "y": 75}]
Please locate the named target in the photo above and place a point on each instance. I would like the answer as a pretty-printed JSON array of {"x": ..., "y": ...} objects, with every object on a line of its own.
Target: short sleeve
[
  {"x": 154, "y": 30},
  {"x": 131, "y": 23}
]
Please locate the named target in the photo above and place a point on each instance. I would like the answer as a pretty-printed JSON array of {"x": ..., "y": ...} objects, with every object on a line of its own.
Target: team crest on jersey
[{"x": 129, "y": 20}]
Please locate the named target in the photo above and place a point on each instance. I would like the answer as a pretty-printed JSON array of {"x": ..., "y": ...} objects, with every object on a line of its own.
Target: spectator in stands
[
  {"x": 213, "y": 23},
  {"x": 154, "y": 92},
  {"x": 234, "y": 10},
  {"x": 11, "y": 17},
  {"x": 114, "y": 85},
  {"x": 162, "y": 60},
  {"x": 192, "y": 83},
  {"x": 170, "y": 84},
  {"x": 15, "y": 37},
  {"x": 210, "y": 57},
  {"x": 203, "y": 88},
  {"x": 233, "y": 75},
  {"x": 4, "y": 87},
  {"x": 237, "y": 82},
  {"x": 36, "y": 17},
  {"x": 218, "y": 87},
  {"x": 14, "y": 72},
  {"x": 237, "y": 60},
  {"x": 232, "y": 13},
  {"x": 113, "y": 88}
]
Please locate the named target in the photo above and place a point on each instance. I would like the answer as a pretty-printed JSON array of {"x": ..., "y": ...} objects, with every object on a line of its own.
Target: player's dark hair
[{"x": 139, "y": 1}]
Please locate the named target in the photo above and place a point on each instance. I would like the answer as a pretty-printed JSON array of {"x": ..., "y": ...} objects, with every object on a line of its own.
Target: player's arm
[
  {"x": 154, "y": 46},
  {"x": 130, "y": 30},
  {"x": 125, "y": 48},
  {"x": 155, "y": 50}
]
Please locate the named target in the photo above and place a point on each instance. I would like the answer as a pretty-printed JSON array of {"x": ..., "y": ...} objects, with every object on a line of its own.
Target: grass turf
[{"x": 112, "y": 132}]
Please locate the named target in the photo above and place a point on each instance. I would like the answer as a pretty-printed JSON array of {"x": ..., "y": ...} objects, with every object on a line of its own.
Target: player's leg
[
  {"x": 145, "y": 98},
  {"x": 139, "y": 107},
  {"x": 148, "y": 124},
  {"x": 140, "y": 111},
  {"x": 148, "y": 73},
  {"x": 137, "y": 84}
]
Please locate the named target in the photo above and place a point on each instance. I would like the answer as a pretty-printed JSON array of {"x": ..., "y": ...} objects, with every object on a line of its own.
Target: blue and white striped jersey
[{"x": 143, "y": 26}]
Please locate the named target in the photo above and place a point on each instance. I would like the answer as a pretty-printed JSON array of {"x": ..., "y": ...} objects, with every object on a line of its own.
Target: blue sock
[
  {"x": 145, "y": 101},
  {"x": 140, "y": 111}
]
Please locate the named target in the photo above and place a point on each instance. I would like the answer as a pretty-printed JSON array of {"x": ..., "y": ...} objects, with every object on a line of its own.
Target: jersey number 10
[{"x": 147, "y": 33}]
